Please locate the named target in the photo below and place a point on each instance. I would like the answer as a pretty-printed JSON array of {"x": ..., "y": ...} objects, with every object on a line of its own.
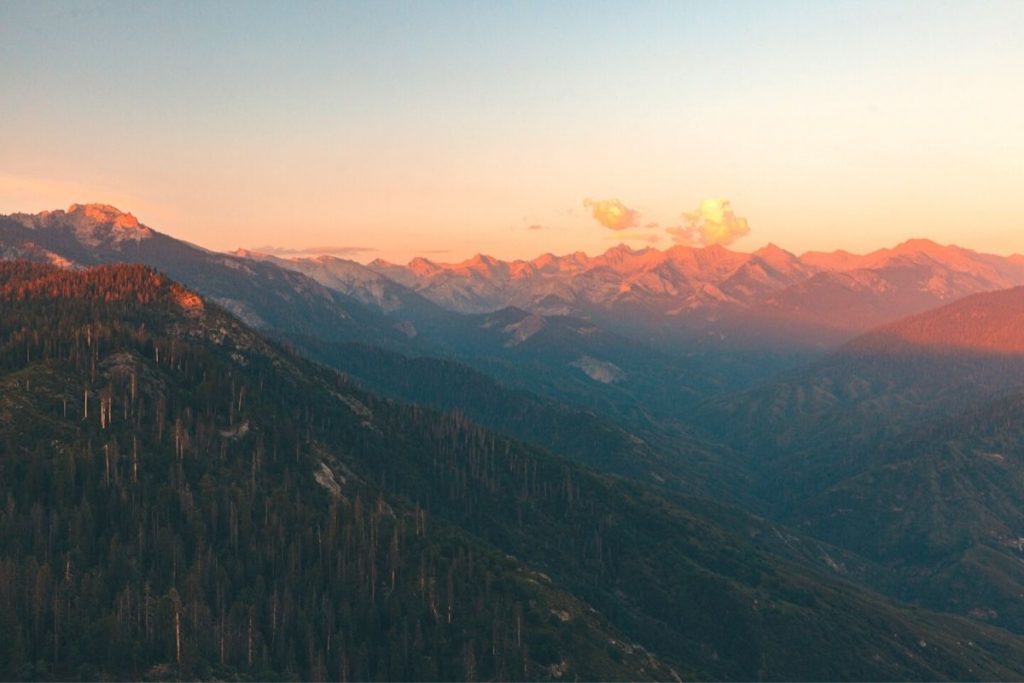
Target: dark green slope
[
  {"x": 906, "y": 448},
  {"x": 947, "y": 513},
  {"x": 159, "y": 474},
  {"x": 652, "y": 453},
  {"x": 346, "y": 533},
  {"x": 687, "y": 587},
  {"x": 671, "y": 460},
  {"x": 820, "y": 425}
]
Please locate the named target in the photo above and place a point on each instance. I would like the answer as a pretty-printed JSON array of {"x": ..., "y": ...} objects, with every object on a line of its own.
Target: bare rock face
[
  {"x": 715, "y": 287},
  {"x": 91, "y": 224},
  {"x": 599, "y": 371}
]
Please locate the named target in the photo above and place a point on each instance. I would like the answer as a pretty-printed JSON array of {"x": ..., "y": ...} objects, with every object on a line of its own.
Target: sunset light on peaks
[
  {"x": 364, "y": 126},
  {"x": 449, "y": 340}
]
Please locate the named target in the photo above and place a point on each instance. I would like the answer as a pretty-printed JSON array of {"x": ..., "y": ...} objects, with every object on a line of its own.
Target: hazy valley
[{"x": 691, "y": 463}]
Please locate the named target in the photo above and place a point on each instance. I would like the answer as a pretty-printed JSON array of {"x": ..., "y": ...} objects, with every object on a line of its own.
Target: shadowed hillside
[
  {"x": 905, "y": 447},
  {"x": 194, "y": 499}
]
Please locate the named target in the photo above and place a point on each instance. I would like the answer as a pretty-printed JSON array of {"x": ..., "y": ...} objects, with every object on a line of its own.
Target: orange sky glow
[{"x": 545, "y": 129}]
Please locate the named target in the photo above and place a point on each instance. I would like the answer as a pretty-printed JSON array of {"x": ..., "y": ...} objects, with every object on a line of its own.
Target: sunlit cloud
[
  {"x": 714, "y": 222},
  {"x": 612, "y": 214},
  {"x": 312, "y": 251}
]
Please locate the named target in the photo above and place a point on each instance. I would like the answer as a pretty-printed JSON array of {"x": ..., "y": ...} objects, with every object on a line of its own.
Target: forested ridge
[
  {"x": 668, "y": 458},
  {"x": 161, "y": 517},
  {"x": 182, "y": 498},
  {"x": 905, "y": 448}
]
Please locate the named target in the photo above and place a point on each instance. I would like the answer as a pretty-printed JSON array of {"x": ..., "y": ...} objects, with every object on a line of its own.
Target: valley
[{"x": 691, "y": 506}]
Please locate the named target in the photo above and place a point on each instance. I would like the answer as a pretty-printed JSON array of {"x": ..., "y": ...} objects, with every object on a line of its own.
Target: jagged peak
[
  {"x": 718, "y": 250},
  {"x": 919, "y": 244},
  {"x": 712, "y": 252},
  {"x": 922, "y": 245},
  {"x": 482, "y": 259},
  {"x": 775, "y": 257},
  {"x": 326, "y": 258},
  {"x": 422, "y": 267},
  {"x": 481, "y": 263},
  {"x": 624, "y": 249},
  {"x": 914, "y": 249},
  {"x": 568, "y": 263},
  {"x": 104, "y": 213},
  {"x": 772, "y": 249},
  {"x": 93, "y": 224}
]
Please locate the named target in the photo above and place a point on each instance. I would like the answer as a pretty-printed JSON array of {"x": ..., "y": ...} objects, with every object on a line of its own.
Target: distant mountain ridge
[
  {"x": 866, "y": 449},
  {"x": 714, "y": 288},
  {"x": 262, "y": 294},
  {"x": 904, "y": 446},
  {"x": 187, "y": 499},
  {"x": 988, "y": 323},
  {"x": 769, "y": 296},
  {"x": 335, "y": 300}
]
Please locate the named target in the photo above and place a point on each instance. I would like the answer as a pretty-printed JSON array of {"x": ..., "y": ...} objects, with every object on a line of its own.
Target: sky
[{"x": 394, "y": 129}]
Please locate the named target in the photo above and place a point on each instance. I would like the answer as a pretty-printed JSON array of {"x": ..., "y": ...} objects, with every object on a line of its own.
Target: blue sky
[{"x": 452, "y": 127}]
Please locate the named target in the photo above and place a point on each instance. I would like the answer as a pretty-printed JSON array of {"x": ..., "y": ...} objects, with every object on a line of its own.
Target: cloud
[
  {"x": 712, "y": 223},
  {"x": 536, "y": 226},
  {"x": 311, "y": 251},
  {"x": 612, "y": 214}
]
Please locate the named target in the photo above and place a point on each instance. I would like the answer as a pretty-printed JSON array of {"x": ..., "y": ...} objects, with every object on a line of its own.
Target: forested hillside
[
  {"x": 168, "y": 512},
  {"x": 183, "y": 498},
  {"x": 905, "y": 448},
  {"x": 656, "y": 452}
]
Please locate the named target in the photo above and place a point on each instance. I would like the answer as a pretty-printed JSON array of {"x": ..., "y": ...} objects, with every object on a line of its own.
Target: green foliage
[
  {"x": 182, "y": 498},
  {"x": 905, "y": 448},
  {"x": 162, "y": 516},
  {"x": 655, "y": 454}
]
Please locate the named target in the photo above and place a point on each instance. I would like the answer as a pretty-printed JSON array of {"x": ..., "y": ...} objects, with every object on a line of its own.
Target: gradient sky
[{"x": 448, "y": 128}]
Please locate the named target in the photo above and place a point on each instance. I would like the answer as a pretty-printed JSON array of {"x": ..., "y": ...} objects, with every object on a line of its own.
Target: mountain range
[
  {"x": 692, "y": 463},
  {"x": 905, "y": 447},
  {"x": 218, "y": 506},
  {"x": 829, "y": 295}
]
